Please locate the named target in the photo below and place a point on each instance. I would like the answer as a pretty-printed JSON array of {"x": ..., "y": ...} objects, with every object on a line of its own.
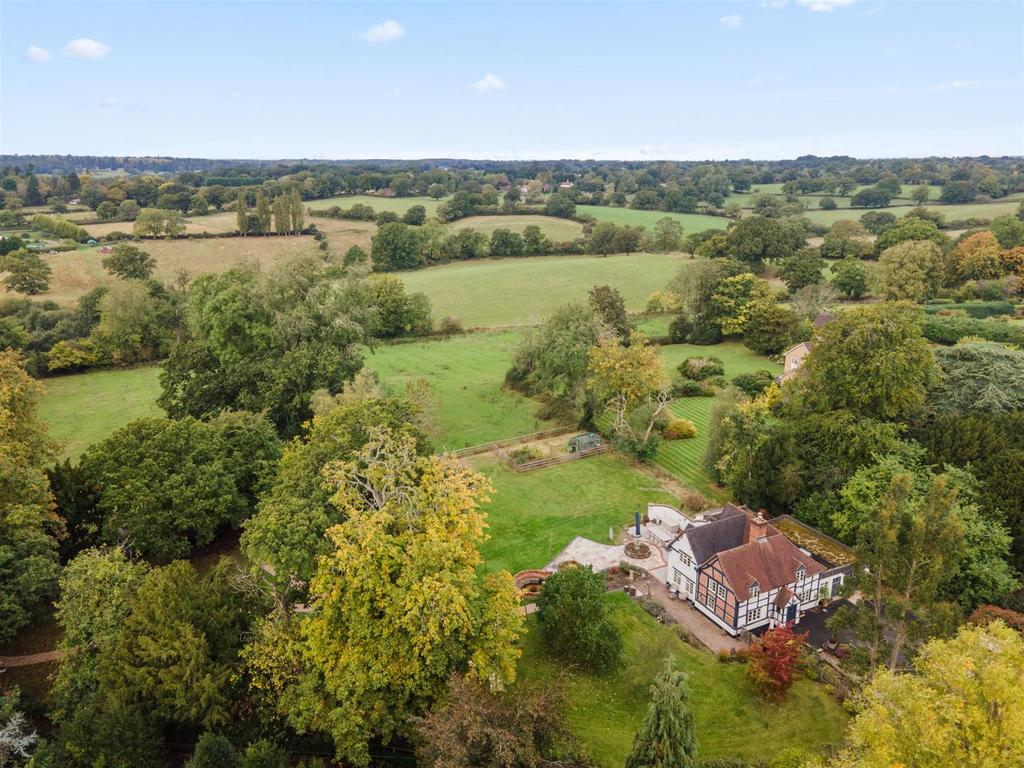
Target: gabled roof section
[
  {"x": 727, "y": 529},
  {"x": 771, "y": 561},
  {"x": 805, "y": 344}
]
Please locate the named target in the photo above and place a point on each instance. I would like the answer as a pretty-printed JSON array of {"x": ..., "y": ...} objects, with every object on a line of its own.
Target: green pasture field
[
  {"x": 604, "y": 712},
  {"x": 554, "y": 228},
  {"x": 692, "y": 222},
  {"x": 534, "y": 515},
  {"x": 85, "y": 408},
  {"x": 396, "y": 204},
  {"x": 465, "y": 374},
  {"x": 951, "y": 212},
  {"x": 521, "y": 291}
]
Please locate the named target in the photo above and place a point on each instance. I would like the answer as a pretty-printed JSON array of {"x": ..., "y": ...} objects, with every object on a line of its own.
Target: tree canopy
[{"x": 397, "y": 606}]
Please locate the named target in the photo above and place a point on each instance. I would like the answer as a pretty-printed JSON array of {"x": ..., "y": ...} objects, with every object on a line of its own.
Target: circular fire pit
[{"x": 637, "y": 550}]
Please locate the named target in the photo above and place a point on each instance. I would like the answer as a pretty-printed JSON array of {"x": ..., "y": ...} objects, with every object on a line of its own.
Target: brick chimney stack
[{"x": 758, "y": 527}]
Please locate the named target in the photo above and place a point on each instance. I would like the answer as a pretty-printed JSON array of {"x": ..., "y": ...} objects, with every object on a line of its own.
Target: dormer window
[
  {"x": 755, "y": 590},
  {"x": 800, "y": 573}
]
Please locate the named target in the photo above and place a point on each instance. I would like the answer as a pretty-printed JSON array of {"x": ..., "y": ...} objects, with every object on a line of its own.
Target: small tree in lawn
[
  {"x": 631, "y": 383},
  {"x": 666, "y": 738},
  {"x": 574, "y": 620},
  {"x": 129, "y": 262},
  {"x": 772, "y": 661},
  {"x": 26, "y": 272}
]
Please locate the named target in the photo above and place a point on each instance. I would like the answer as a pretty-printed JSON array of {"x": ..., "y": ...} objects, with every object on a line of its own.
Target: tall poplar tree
[
  {"x": 263, "y": 213},
  {"x": 666, "y": 738},
  {"x": 241, "y": 212},
  {"x": 298, "y": 215},
  {"x": 282, "y": 215}
]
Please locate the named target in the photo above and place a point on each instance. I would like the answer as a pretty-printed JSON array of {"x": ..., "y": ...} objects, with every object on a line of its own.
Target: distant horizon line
[{"x": 6, "y": 157}]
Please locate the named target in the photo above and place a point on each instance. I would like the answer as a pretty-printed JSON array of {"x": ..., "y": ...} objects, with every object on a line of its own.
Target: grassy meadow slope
[
  {"x": 517, "y": 291},
  {"x": 692, "y": 222},
  {"x": 85, "y": 408},
  {"x": 554, "y": 228},
  {"x": 465, "y": 374}
]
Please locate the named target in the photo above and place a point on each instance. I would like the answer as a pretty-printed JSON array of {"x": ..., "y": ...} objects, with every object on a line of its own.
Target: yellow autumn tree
[
  {"x": 964, "y": 706},
  {"x": 629, "y": 382},
  {"x": 396, "y": 605},
  {"x": 29, "y": 526},
  {"x": 977, "y": 257}
]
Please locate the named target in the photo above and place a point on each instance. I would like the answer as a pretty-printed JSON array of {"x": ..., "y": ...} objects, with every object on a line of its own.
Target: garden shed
[{"x": 585, "y": 442}]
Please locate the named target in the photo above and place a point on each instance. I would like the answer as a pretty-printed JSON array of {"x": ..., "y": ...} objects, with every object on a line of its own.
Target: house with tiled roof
[
  {"x": 743, "y": 573},
  {"x": 794, "y": 357}
]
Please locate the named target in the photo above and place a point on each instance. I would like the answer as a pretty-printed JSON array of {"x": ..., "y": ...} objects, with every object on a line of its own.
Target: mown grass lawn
[
  {"x": 736, "y": 358},
  {"x": 532, "y": 516},
  {"x": 683, "y": 458},
  {"x": 604, "y": 712},
  {"x": 85, "y": 408},
  {"x": 465, "y": 374},
  {"x": 520, "y": 291}
]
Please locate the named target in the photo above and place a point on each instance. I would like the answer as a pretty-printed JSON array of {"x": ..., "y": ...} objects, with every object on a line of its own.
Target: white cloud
[
  {"x": 35, "y": 53},
  {"x": 956, "y": 85},
  {"x": 489, "y": 82},
  {"x": 824, "y": 5},
  {"x": 773, "y": 5},
  {"x": 86, "y": 48},
  {"x": 384, "y": 32},
  {"x": 731, "y": 22},
  {"x": 958, "y": 45}
]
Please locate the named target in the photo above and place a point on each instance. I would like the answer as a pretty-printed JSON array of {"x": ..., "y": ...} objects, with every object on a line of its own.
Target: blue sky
[{"x": 683, "y": 80}]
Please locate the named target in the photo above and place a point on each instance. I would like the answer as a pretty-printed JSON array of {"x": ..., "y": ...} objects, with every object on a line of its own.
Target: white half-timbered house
[{"x": 743, "y": 574}]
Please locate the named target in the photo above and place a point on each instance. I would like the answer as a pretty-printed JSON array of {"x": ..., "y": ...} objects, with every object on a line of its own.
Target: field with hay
[
  {"x": 77, "y": 272},
  {"x": 522, "y": 291},
  {"x": 397, "y": 205}
]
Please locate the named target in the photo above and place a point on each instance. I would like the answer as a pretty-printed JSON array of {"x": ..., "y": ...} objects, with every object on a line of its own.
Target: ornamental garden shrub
[{"x": 679, "y": 429}]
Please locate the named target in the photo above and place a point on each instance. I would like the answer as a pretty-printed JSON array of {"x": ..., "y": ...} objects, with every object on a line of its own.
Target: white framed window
[
  {"x": 753, "y": 615},
  {"x": 689, "y": 586},
  {"x": 721, "y": 590},
  {"x": 709, "y": 599},
  {"x": 687, "y": 560},
  {"x": 755, "y": 590},
  {"x": 800, "y": 573},
  {"x": 677, "y": 576}
]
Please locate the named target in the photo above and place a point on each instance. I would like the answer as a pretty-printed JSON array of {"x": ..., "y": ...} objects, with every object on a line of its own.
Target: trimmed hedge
[
  {"x": 976, "y": 309},
  {"x": 949, "y": 330}
]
